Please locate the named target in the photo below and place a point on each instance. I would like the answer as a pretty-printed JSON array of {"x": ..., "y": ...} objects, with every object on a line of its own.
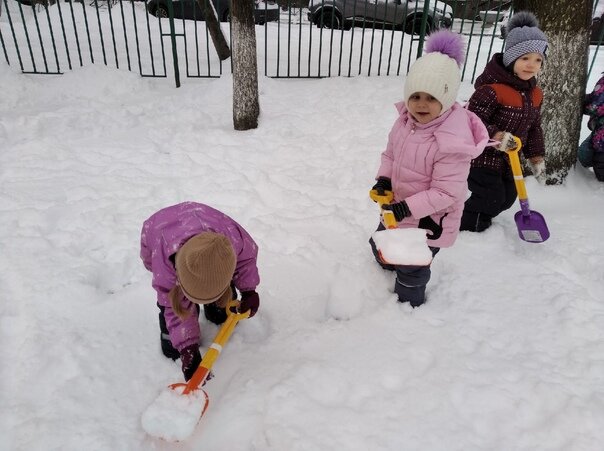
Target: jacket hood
[
  {"x": 495, "y": 72},
  {"x": 458, "y": 130}
]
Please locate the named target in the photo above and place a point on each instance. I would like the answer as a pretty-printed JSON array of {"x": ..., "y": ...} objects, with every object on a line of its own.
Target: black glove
[
  {"x": 249, "y": 301},
  {"x": 383, "y": 184},
  {"x": 190, "y": 358},
  {"x": 400, "y": 210}
]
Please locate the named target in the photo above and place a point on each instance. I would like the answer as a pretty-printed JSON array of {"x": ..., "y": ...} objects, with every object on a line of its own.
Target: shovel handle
[
  {"x": 225, "y": 331},
  {"x": 517, "y": 170},
  {"x": 387, "y": 216}
]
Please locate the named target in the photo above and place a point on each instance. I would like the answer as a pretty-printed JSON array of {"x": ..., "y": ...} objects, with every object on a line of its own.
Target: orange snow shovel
[
  {"x": 530, "y": 223},
  {"x": 173, "y": 417},
  {"x": 202, "y": 373}
]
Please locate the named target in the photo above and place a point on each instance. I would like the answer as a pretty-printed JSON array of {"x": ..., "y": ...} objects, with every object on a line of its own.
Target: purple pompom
[{"x": 447, "y": 42}]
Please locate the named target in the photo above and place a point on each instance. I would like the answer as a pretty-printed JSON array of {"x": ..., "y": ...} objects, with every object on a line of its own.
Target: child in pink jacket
[
  {"x": 198, "y": 256},
  {"x": 427, "y": 159}
]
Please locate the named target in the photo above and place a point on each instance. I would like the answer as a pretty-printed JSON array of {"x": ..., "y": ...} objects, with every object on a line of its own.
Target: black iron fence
[{"x": 315, "y": 38}]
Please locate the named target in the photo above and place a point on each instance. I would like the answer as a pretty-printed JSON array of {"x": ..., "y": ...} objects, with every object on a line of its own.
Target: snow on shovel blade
[
  {"x": 177, "y": 410},
  {"x": 173, "y": 416},
  {"x": 403, "y": 247}
]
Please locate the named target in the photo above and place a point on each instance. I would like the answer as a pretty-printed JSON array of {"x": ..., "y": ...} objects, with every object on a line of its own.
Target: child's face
[
  {"x": 528, "y": 66},
  {"x": 423, "y": 107}
]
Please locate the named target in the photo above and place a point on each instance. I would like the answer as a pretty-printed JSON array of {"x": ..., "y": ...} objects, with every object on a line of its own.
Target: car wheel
[
  {"x": 161, "y": 12},
  {"x": 413, "y": 25},
  {"x": 328, "y": 18}
]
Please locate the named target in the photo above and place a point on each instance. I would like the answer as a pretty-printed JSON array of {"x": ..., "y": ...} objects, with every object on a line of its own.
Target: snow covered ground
[{"x": 507, "y": 354}]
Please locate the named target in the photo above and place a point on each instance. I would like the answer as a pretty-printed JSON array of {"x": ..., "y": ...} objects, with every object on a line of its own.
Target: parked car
[
  {"x": 400, "y": 14},
  {"x": 264, "y": 11}
]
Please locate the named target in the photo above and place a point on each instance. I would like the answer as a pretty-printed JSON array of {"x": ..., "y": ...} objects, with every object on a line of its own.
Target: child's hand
[
  {"x": 249, "y": 301},
  {"x": 507, "y": 141},
  {"x": 400, "y": 210},
  {"x": 383, "y": 184},
  {"x": 537, "y": 165},
  {"x": 190, "y": 358}
]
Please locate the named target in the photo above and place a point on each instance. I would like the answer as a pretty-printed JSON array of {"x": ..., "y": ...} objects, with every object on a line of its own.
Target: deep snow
[{"x": 507, "y": 354}]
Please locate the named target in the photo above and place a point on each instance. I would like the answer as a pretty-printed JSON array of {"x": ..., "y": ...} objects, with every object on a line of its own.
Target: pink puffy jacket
[{"x": 428, "y": 165}]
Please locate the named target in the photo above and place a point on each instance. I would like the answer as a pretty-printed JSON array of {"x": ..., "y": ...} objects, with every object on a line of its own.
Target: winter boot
[
  {"x": 166, "y": 345},
  {"x": 214, "y": 314}
]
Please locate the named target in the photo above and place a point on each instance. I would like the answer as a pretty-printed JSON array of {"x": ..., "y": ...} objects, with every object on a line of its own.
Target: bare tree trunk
[
  {"x": 220, "y": 43},
  {"x": 246, "y": 108},
  {"x": 566, "y": 25}
]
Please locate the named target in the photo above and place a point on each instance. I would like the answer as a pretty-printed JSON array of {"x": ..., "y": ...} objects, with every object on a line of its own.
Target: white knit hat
[{"x": 437, "y": 71}]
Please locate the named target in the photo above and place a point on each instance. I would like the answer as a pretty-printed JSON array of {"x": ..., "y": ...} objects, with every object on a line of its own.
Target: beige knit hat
[{"x": 204, "y": 266}]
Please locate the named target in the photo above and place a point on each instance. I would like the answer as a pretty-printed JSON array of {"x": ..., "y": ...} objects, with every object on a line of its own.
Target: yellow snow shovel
[
  {"x": 202, "y": 373},
  {"x": 531, "y": 224},
  {"x": 401, "y": 247},
  {"x": 175, "y": 413},
  {"x": 382, "y": 199}
]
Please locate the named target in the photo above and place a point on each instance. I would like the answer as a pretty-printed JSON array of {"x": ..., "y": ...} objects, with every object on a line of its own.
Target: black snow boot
[
  {"x": 214, "y": 314},
  {"x": 166, "y": 345}
]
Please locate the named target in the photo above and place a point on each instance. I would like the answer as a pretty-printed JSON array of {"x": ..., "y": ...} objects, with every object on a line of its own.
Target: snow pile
[
  {"x": 403, "y": 246},
  {"x": 173, "y": 416}
]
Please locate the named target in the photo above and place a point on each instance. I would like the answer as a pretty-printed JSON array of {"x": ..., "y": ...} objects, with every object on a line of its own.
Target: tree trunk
[
  {"x": 566, "y": 24},
  {"x": 246, "y": 108},
  {"x": 220, "y": 43}
]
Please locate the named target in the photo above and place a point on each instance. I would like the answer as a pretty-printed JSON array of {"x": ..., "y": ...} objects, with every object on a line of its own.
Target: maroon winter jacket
[{"x": 504, "y": 102}]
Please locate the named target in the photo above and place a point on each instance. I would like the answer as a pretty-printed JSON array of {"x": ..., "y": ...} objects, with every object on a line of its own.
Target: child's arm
[
  {"x": 387, "y": 159},
  {"x": 534, "y": 147},
  {"x": 484, "y": 104},
  {"x": 448, "y": 184}
]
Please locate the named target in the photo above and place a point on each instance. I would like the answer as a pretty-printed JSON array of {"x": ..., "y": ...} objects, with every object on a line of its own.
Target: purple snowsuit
[{"x": 165, "y": 232}]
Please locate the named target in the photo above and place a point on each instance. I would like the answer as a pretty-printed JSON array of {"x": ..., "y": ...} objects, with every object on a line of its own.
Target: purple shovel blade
[{"x": 531, "y": 224}]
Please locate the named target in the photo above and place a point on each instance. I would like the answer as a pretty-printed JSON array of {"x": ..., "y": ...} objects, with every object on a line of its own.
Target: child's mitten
[
  {"x": 249, "y": 301},
  {"x": 507, "y": 142},
  {"x": 383, "y": 184},
  {"x": 400, "y": 210},
  {"x": 538, "y": 169},
  {"x": 190, "y": 358}
]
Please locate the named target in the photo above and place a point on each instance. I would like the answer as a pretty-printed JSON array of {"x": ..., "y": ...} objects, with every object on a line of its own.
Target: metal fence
[{"x": 321, "y": 38}]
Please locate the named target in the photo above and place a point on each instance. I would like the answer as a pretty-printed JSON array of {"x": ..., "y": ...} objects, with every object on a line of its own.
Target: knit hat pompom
[
  {"x": 446, "y": 42},
  {"x": 437, "y": 71},
  {"x": 205, "y": 265},
  {"x": 523, "y": 36}
]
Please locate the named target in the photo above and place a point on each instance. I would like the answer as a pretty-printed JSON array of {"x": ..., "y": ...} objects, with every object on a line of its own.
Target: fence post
[
  {"x": 173, "y": 40},
  {"x": 422, "y": 33}
]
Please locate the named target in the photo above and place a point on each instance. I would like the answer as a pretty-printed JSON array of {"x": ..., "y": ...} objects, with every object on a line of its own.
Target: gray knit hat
[{"x": 523, "y": 36}]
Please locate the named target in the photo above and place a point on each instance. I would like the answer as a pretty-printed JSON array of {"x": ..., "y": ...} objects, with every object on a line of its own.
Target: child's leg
[
  {"x": 486, "y": 200},
  {"x": 585, "y": 153},
  {"x": 375, "y": 251},
  {"x": 411, "y": 281},
  {"x": 166, "y": 345},
  {"x": 510, "y": 192},
  {"x": 598, "y": 164}
]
